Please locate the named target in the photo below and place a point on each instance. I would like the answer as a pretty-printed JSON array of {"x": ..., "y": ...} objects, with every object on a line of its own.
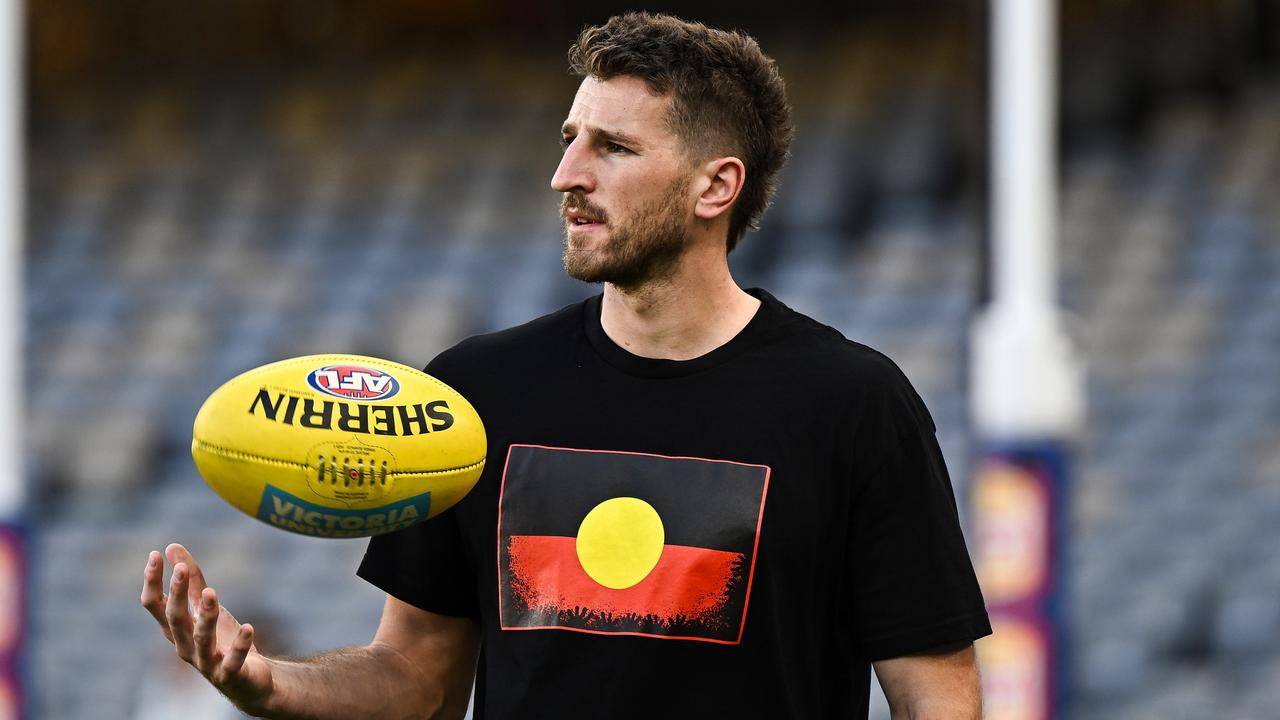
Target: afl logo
[{"x": 353, "y": 382}]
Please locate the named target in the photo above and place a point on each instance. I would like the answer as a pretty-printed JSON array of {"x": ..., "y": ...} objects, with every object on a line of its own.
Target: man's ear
[{"x": 722, "y": 182}]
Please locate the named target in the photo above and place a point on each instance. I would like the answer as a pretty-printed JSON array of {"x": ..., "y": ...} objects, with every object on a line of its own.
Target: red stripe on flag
[{"x": 687, "y": 582}]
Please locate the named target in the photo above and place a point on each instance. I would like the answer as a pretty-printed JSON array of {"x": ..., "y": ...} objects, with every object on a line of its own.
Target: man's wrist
[{"x": 270, "y": 703}]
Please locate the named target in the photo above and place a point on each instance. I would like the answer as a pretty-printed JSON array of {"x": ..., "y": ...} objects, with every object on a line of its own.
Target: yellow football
[{"x": 338, "y": 445}]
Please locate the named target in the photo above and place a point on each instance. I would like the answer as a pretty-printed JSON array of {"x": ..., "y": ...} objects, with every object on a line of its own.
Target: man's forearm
[
  {"x": 961, "y": 708},
  {"x": 939, "y": 684},
  {"x": 373, "y": 681}
]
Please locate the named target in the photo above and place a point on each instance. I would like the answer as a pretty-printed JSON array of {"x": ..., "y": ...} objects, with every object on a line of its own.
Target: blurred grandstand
[{"x": 228, "y": 184}]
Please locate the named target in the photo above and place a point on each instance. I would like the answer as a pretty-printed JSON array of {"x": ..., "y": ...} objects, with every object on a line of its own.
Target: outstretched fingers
[
  {"x": 205, "y": 635},
  {"x": 178, "y": 614},
  {"x": 153, "y": 597},
  {"x": 240, "y": 645},
  {"x": 189, "y": 614},
  {"x": 179, "y": 554}
]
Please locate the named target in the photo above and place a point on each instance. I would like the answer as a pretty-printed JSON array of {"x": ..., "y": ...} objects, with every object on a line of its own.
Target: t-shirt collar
[{"x": 758, "y": 331}]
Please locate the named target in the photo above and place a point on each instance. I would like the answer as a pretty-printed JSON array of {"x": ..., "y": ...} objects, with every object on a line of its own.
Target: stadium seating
[{"x": 197, "y": 233}]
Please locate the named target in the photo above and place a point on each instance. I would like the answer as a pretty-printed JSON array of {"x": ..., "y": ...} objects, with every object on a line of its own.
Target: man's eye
[
  {"x": 564, "y": 142},
  {"x": 616, "y": 148}
]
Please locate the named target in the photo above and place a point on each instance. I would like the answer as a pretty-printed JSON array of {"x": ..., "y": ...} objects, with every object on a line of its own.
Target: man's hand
[
  {"x": 203, "y": 632},
  {"x": 419, "y": 664}
]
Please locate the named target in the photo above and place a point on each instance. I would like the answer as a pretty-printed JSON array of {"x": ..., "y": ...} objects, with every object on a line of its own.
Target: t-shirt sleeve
[
  {"x": 913, "y": 585},
  {"x": 426, "y": 565}
]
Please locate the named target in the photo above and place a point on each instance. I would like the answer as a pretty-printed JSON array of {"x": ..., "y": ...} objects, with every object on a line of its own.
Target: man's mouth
[
  {"x": 580, "y": 220},
  {"x": 580, "y": 215}
]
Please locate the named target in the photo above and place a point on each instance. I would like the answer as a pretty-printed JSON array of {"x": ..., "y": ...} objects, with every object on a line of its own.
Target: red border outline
[{"x": 755, "y": 548}]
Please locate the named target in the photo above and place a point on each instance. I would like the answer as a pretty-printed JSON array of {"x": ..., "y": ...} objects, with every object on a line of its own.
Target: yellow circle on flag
[{"x": 619, "y": 542}]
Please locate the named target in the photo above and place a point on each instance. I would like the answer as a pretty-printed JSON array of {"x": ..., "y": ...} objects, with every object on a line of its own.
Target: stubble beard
[{"x": 640, "y": 249}]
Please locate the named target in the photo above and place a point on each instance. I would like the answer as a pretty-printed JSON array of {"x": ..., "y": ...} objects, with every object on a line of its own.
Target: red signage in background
[
  {"x": 1012, "y": 503},
  {"x": 1017, "y": 504},
  {"x": 12, "y": 621}
]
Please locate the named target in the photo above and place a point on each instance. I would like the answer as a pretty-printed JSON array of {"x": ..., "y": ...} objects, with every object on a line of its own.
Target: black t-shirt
[{"x": 736, "y": 535}]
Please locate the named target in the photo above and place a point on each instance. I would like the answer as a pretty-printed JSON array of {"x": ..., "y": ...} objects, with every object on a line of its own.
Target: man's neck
[{"x": 694, "y": 310}]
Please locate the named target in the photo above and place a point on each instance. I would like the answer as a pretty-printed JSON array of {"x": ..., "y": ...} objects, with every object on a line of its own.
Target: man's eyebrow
[{"x": 601, "y": 134}]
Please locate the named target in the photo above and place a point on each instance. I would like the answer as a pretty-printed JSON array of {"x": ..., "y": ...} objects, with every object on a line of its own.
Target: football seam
[{"x": 241, "y": 455}]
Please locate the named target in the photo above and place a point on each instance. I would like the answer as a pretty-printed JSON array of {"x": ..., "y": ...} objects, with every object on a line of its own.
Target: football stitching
[{"x": 240, "y": 455}]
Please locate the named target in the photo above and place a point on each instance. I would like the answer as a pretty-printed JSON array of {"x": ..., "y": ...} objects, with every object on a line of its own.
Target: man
[{"x": 699, "y": 503}]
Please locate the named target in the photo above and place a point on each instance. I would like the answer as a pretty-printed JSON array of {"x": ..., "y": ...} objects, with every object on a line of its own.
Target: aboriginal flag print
[{"x": 627, "y": 543}]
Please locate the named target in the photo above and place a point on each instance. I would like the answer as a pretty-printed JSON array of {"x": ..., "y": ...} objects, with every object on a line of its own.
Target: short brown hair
[{"x": 727, "y": 95}]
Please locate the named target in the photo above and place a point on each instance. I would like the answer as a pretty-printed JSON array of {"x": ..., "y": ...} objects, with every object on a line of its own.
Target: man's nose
[{"x": 574, "y": 172}]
